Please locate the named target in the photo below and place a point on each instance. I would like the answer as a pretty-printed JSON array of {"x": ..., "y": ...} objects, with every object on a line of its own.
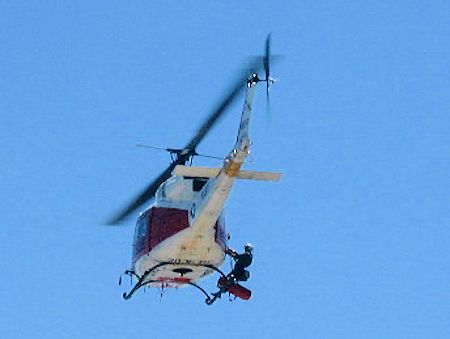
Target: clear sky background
[{"x": 354, "y": 242}]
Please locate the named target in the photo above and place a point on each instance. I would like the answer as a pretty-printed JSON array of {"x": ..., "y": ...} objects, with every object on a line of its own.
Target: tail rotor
[{"x": 266, "y": 62}]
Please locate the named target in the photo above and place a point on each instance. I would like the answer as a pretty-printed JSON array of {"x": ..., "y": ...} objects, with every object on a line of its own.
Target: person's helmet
[{"x": 248, "y": 247}]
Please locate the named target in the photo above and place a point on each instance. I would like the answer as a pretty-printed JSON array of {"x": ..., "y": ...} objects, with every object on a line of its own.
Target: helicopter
[{"x": 181, "y": 237}]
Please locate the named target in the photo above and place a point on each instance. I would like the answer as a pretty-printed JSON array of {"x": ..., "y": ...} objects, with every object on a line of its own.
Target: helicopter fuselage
[
  {"x": 184, "y": 227},
  {"x": 181, "y": 237}
]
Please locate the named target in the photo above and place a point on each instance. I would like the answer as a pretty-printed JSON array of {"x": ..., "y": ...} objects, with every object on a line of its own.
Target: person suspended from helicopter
[
  {"x": 238, "y": 273},
  {"x": 242, "y": 261}
]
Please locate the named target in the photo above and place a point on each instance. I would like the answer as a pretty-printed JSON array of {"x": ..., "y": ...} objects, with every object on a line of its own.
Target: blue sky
[{"x": 352, "y": 243}]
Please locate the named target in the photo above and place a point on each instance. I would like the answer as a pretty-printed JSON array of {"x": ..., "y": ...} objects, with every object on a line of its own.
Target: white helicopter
[{"x": 181, "y": 237}]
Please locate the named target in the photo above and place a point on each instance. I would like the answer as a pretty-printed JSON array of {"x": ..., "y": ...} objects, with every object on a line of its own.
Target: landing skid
[{"x": 142, "y": 280}]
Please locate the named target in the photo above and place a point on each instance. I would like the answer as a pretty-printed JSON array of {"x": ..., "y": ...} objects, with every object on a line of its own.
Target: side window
[{"x": 141, "y": 225}]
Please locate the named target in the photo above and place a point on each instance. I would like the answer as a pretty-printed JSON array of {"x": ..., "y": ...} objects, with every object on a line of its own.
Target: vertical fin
[{"x": 243, "y": 139}]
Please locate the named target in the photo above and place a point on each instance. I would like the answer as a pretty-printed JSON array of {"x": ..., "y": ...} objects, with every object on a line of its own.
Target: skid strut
[{"x": 141, "y": 280}]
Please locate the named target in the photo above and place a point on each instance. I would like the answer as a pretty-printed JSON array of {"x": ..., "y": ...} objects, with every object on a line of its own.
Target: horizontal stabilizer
[
  {"x": 257, "y": 175},
  {"x": 211, "y": 172},
  {"x": 195, "y": 171}
]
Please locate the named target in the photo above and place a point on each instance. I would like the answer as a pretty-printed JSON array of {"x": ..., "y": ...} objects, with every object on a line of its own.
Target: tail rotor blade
[
  {"x": 269, "y": 110},
  {"x": 267, "y": 62}
]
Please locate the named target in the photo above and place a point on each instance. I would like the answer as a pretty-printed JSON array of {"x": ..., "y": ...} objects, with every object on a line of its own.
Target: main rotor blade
[
  {"x": 223, "y": 104},
  {"x": 153, "y": 147},
  {"x": 142, "y": 197},
  {"x": 254, "y": 66}
]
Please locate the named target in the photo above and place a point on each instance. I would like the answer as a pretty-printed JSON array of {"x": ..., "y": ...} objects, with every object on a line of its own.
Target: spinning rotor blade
[
  {"x": 142, "y": 197},
  {"x": 266, "y": 62},
  {"x": 153, "y": 147},
  {"x": 221, "y": 107}
]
